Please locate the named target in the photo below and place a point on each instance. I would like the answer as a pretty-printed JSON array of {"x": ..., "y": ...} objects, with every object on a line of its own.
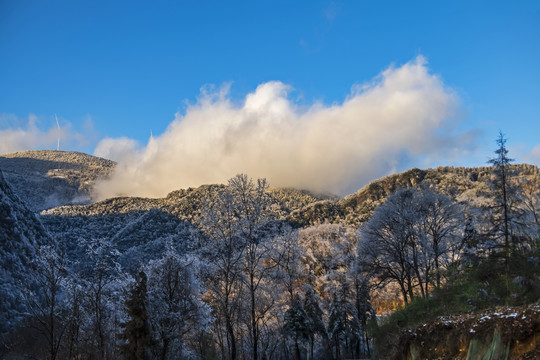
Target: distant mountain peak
[{"x": 49, "y": 178}]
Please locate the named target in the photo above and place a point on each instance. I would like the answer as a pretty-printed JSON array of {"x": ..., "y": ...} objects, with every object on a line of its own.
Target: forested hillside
[
  {"x": 21, "y": 236},
  {"x": 45, "y": 178},
  {"x": 241, "y": 270},
  {"x": 464, "y": 184}
]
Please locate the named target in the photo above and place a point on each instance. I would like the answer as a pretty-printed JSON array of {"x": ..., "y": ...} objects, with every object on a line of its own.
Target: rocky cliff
[{"x": 500, "y": 334}]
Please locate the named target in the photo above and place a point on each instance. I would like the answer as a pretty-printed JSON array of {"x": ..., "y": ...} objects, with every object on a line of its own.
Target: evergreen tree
[
  {"x": 501, "y": 186},
  {"x": 501, "y": 163},
  {"x": 136, "y": 332}
]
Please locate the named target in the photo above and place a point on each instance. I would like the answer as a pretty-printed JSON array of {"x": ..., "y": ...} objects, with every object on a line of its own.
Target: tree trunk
[
  {"x": 165, "y": 349},
  {"x": 437, "y": 265},
  {"x": 296, "y": 348},
  {"x": 232, "y": 340},
  {"x": 254, "y": 326},
  {"x": 52, "y": 330},
  {"x": 367, "y": 345},
  {"x": 404, "y": 293}
]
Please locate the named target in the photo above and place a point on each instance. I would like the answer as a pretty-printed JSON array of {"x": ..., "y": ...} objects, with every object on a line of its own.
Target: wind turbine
[{"x": 58, "y": 132}]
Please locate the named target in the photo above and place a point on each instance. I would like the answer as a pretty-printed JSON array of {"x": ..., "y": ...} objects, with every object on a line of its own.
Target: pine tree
[
  {"x": 136, "y": 332},
  {"x": 501, "y": 163}
]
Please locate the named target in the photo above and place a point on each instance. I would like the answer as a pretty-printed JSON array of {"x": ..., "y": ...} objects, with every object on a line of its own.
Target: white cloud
[
  {"x": 404, "y": 113},
  {"x": 533, "y": 156},
  {"x": 117, "y": 149},
  {"x": 25, "y": 134}
]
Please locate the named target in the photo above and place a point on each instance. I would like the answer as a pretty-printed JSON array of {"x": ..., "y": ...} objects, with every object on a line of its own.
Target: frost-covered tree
[
  {"x": 362, "y": 303},
  {"x": 174, "y": 302},
  {"x": 328, "y": 249},
  {"x": 289, "y": 272},
  {"x": 136, "y": 331},
  {"x": 344, "y": 327},
  {"x": 103, "y": 284},
  {"x": 336, "y": 324},
  {"x": 223, "y": 251},
  {"x": 237, "y": 246},
  {"x": 315, "y": 316},
  {"x": 441, "y": 220},
  {"x": 329, "y": 252},
  {"x": 253, "y": 213},
  {"x": 297, "y": 324},
  {"x": 47, "y": 304},
  {"x": 21, "y": 234},
  {"x": 74, "y": 297},
  {"x": 410, "y": 239}
]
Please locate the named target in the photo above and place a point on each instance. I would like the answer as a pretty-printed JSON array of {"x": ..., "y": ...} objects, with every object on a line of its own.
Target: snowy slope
[
  {"x": 20, "y": 234},
  {"x": 47, "y": 178}
]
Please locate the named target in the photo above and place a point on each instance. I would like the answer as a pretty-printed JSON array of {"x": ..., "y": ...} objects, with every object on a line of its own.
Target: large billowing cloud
[
  {"x": 25, "y": 134},
  {"x": 404, "y": 114}
]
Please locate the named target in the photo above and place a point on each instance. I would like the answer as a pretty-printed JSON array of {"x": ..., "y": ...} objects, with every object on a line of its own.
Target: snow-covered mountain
[
  {"x": 44, "y": 179},
  {"x": 45, "y": 198},
  {"x": 65, "y": 179},
  {"x": 21, "y": 232},
  {"x": 59, "y": 184}
]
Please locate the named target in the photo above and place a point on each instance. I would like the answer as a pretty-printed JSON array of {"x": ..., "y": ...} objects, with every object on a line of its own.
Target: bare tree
[
  {"x": 442, "y": 224},
  {"x": 416, "y": 232},
  {"x": 253, "y": 212},
  {"x": 238, "y": 225},
  {"x": 290, "y": 273},
  {"x": 174, "y": 305},
  {"x": 223, "y": 250},
  {"x": 102, "y": 277},
  {"x": 46, "y": 304}
]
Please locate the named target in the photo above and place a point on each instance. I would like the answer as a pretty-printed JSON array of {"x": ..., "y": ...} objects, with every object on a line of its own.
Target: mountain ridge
[
  {"x": 64, "y": 177},
  {"x": 301, "y": 208}
]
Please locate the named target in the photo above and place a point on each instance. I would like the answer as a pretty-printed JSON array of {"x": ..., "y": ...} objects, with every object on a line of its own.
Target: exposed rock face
[
  {"x": 44, "y": 179},
  {"x": 501, "y": 334}
]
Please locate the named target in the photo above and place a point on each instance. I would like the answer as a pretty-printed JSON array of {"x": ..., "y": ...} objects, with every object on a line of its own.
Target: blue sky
[{"x": 113, "y": 69}]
